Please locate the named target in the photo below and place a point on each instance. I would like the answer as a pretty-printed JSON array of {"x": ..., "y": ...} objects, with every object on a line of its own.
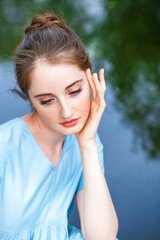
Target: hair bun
[{"x": 43, "y": 21}]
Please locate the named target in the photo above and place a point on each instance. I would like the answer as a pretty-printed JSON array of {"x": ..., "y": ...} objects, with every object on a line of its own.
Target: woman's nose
[{"x": 66, "y": 110}]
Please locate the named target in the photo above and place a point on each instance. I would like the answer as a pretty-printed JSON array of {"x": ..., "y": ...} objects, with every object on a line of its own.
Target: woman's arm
[{"x": 99, "y": 216}]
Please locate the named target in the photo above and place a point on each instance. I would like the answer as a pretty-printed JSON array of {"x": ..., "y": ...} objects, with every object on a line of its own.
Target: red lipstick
[{"x": 70, "y": 123}]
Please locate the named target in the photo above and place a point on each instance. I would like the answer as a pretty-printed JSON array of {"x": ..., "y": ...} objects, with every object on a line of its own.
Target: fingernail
[
  {"x": 102, "y": 70},
  {"x": 95, "y": 74},
  {"x": 89, "y": 70}
]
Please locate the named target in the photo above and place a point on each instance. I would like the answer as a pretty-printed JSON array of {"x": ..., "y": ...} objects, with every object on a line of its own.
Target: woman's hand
[{"x": 88, "y": 133}]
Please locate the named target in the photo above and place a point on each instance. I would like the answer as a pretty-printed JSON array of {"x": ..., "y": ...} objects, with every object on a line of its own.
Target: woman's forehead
[
  {"x": 61, "y": 76},
  {"x": 51, "y": 71}
]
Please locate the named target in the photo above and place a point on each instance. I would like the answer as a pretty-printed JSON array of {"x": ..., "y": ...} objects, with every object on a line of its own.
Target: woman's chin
[{"x": 75, "y": 129}]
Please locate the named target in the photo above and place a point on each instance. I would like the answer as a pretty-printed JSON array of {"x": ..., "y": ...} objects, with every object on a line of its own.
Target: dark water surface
[{"x": 123, "y": 36}]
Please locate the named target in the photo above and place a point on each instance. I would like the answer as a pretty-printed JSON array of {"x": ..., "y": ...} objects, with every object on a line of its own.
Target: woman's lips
[{"x": 70, "y": 123}]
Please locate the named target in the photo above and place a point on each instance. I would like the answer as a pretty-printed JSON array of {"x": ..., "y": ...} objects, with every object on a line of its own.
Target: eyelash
[{"x": 71, "y": 93}]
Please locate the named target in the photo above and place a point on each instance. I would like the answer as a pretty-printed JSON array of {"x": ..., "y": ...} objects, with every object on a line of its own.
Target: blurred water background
[{"x": 124, "y": 38}]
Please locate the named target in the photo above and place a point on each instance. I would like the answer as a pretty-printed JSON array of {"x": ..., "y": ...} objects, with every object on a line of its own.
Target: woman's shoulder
[
  {"x": 7, "y": 124},
  {"x": 9, "y": 140},
  {"x": 10, "y": 129},
  {"x": 10, "y": 124}
]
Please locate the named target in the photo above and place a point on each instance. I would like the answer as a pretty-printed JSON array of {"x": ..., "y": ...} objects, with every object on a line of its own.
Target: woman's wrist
[{"x": 88, "y": 146}]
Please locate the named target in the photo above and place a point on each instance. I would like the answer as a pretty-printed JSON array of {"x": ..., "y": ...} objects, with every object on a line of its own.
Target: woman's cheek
[
  {"x": 47, "y": 114},
  {"x": 86, "y": 103}
]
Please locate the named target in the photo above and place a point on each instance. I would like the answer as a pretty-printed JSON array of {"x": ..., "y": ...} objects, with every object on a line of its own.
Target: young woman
[{"x": 54, "y": 153}]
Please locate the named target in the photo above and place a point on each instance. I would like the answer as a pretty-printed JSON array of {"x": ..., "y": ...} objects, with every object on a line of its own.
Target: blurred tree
[{"x": 129, "y": 39}]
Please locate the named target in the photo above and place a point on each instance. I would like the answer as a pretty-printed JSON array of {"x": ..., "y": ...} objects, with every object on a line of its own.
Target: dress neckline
[{"x": 39, "y": 148}]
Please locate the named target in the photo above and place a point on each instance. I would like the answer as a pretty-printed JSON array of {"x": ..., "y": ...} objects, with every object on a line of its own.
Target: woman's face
[{"x": 60, "y": 93}]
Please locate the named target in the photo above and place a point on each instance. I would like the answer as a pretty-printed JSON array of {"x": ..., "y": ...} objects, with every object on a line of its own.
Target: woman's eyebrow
[
  {"x": 80, "y": 80},
  {"x": 72, "y": 84}
]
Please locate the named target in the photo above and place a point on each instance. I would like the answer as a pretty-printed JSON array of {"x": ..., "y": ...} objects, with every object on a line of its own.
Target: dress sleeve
[
  {"x": 101, "y": 157},
  {"x": 1, "y": 162},
  {"x": 1, "y": 170}
]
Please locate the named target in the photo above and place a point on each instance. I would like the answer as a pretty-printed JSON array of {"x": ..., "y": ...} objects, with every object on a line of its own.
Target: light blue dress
[{"x": 36, "y": 199}]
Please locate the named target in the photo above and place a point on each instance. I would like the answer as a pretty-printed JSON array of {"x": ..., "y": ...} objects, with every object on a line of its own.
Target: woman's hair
[{"x": 47, "y": 38}]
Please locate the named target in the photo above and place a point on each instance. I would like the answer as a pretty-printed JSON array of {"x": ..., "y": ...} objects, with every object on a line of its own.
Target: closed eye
[
  {"x": 71, "y": 93},
  {"x": 75, "y": 92},
  {"x": 46, "y": 101}
]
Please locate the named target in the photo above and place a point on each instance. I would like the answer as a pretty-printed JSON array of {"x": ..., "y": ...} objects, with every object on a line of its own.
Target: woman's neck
[{"x": 43, "y": 134}]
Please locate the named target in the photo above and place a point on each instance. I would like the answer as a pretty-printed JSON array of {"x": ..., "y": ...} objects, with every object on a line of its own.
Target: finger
[
  {"x": 97, "y": 83},
  {"x": 98, "y": 88},
  {"x": 90, "y": 80},
  {"x": 102, "y": 79},
  {"x": 100, "y": 94}
]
